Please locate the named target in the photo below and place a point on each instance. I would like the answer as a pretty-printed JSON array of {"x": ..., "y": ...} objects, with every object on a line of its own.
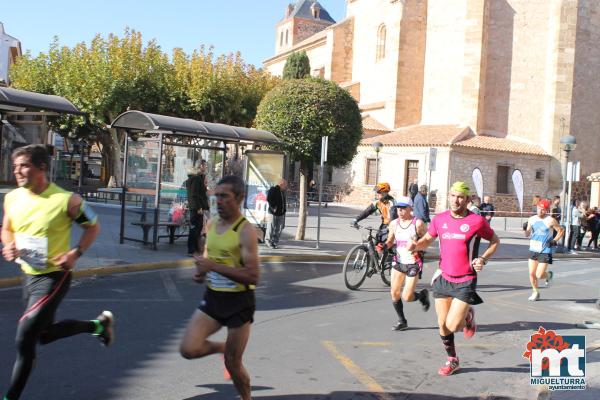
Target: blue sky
[{"x": 229, "y": 25}]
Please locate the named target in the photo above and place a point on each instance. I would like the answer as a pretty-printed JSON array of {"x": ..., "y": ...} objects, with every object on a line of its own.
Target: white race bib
[
  {"x": 218, "y": 281},
  {"x": 32, "y": 251},
  {"x": 536, "y": 246}
]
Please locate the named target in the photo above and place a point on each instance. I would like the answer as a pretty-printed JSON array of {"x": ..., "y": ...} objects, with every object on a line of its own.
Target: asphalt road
[{"x": 312, "y": 338}]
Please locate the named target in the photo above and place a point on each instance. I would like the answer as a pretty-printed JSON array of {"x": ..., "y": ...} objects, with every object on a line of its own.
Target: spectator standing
[
  {"x": 594, "y": 224},
  {"x": 421, "y": 206},
  {"x": 487, "y": 209},
  {"x": 574, "y": 234},
  {"x": 534, "y": 203},
  {"x": 277, "y": 208},
  {"x": 555, "y": 210},
  {"x": 413, "y": 189},
  {"x": 197, "y": 205},
  {"x": 474, "y": 204}
]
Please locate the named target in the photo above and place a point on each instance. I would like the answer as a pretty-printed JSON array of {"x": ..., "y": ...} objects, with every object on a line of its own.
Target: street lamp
[
  {"x": 377, "y": 146},
  {"x": 567, "y": 144}
]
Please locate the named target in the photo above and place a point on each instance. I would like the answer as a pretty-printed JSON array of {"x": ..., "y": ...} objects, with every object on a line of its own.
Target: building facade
[
  {"x": 10, "y": 49},
  {"x": 510, "y": 76}
]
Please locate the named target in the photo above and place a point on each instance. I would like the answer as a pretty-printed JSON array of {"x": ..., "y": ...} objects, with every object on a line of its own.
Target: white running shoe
[{"x": 534, "y": 296}]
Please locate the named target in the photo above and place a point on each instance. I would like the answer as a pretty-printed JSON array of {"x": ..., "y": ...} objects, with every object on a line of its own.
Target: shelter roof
[
  {"x": 452, "y": 136},
  {"x": 21, "y": 100},
  {"x": 147, "y": 122}
]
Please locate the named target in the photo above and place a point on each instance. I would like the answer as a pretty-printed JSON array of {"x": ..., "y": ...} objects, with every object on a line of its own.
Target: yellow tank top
[
  {"x": 225, "y": 249},
  {"x": 41, "y": 226}
]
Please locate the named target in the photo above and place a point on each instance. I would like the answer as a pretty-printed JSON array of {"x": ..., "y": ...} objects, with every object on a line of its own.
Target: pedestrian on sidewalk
[
  {"x": 541, "y": 230},
  {"x": 474, "y": 205},
  {"x": 407, "y": 268},
  {"x": 555, "y": 210},
  {"x": 36, "y": 232},
  {"x": 455, "y": 283},
  {"x": 594, "y": 224},
  {"x": 413, "y": 189},
  {"x": 575, "y": 229},
  {"x": 487, "y": 209},
  {"x": 421, "y": 205},
  {"x": 197, "y": 206},
  {"x": 230, "y": 267},
  {"x": 277, "y": 199}
]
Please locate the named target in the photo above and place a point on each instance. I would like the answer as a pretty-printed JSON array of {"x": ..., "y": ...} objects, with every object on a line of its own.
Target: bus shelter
[
  {"x": 159, "y": 153},
  {"x": 24, "y": 120}
]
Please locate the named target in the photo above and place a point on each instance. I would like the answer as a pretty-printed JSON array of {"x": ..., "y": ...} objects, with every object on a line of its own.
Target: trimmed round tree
[
  {"x": 297, "y": 66},
  {"x": 300, "y": 112}
]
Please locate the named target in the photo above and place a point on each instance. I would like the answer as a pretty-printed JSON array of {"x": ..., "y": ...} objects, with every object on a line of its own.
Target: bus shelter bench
[{"x": 146, "y": 226}]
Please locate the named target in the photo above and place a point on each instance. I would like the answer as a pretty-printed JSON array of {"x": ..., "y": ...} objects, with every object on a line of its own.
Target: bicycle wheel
[
  {"x": 386, "y": 273},
  {"x": 356, "y": 266}
]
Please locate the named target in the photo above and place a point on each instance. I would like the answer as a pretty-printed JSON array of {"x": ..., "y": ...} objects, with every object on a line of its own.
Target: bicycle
[{"x": 363, "y": 261}]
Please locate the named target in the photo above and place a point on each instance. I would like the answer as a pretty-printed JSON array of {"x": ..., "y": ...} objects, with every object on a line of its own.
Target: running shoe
[
  {"x": 400, "y": 326},
  {"x": 549, "y": 276},
  {"x": 107, "y": 336},
  {"x": 450, "y": 367},
  {"x": 470, "y": 326},
  {"x": 534, "y": 296},
  {"x": 425, "y": 299}
]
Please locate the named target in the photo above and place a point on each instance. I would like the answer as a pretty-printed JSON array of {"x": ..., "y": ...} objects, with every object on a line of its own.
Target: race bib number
[
  {"x": 32, "y": 251},
  {"x": 218, "y": 281},
  {"x": 536, "y": 246}
]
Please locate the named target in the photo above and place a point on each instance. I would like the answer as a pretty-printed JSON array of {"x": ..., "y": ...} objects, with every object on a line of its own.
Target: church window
[
  {"x": 286, "y": 36},
  {"x": 380, "y": 51},
  {"x": 281, "y": 39},
  {"x": 371, "y": 171},
  {"x": 502, "y": 179}
]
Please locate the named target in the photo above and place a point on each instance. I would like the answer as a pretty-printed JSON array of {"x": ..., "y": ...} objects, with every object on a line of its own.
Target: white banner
[
  {"x": 478, "y": 182},
  {"x": 517, "y": 178}
]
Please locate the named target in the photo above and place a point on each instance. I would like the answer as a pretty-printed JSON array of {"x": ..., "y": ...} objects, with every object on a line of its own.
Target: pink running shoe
[
  {"x": 470, "y": 327},
  {"x": 450, "y": 367}
]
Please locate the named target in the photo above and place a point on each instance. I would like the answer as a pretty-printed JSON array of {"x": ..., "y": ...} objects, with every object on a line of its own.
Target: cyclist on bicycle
[{"x": 384, "y": 205}]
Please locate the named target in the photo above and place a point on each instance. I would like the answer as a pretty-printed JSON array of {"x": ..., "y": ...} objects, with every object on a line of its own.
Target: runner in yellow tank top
[
  {"x": 36, "y": 232},
  {"x": 230, "y": 266}
]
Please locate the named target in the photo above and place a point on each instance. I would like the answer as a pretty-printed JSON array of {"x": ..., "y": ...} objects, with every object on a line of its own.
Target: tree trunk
[
  {"x": 117, "y": 169},
  {"x": 302, "y": 200}
]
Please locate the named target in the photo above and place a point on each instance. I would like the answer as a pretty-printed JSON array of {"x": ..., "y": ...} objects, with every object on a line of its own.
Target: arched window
[
  {"x": 281, "y": 39},
  {"x": 286, "y": 36},
  {"x": 380, "y": 51}
]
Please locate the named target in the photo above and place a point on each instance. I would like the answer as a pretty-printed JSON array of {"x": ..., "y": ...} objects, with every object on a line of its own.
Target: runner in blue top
[{"x": 540, "y": 229}]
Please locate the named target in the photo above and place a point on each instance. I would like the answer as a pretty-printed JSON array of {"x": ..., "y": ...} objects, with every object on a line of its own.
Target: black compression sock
[
  {"x": 399, "y": 307},
  {"x": 448, "y": 342}
]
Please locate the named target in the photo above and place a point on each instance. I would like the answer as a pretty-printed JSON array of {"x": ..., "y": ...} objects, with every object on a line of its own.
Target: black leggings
[{"x": 43, "y": 294}]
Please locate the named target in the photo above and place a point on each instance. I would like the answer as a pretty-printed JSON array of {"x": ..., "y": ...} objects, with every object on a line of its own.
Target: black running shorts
[
  {"x": 542, "y": 258},
  {"x": 464, "y": 291},
  {"x": 411, "y": 270},
  {"x": 230, "y": 309}
]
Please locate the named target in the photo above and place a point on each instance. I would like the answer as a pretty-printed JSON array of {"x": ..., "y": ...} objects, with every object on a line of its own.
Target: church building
[{"x": 449, "y": 86}]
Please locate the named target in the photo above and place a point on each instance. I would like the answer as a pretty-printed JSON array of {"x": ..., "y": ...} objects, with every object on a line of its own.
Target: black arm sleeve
[{"x": 367, "y": 211}]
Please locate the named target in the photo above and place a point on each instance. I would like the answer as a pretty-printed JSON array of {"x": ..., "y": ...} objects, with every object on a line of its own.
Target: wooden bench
[{"x": 146, "y": 226}]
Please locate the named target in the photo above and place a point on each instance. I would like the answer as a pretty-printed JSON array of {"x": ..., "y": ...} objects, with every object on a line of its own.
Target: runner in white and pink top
[
  {"x": 459, "y": 243},
  {"x": 454, "y": 285}
]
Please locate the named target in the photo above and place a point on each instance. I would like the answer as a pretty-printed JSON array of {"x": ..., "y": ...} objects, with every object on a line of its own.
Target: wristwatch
[
  {"x": 78, "y": 251},
  {"x": 485, "y": 260}
]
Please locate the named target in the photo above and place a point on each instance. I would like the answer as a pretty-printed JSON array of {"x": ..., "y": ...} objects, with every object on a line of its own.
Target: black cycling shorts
[
  {"x": 464, "y": 291},
  {"x": 542, "y": 258},
  {"x": 411, "y": 270},
  {"x": 230, "y": 309}
]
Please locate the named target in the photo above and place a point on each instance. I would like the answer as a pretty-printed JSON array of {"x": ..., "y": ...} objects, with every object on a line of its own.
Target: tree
[
  {"x": 300, "y": 112},
  {"x": 113, "y": 75},
  {"x": 297, "y": 66}
]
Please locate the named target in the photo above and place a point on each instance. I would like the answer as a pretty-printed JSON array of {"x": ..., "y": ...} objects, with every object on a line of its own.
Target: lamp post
[
  {"x": 377, "y": 146},
  {"x": 567, "y": 144}
]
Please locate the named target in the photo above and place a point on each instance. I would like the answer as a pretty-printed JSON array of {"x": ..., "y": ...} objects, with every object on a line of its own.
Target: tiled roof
[
  {"x": 371, "y": 124},
  {"x": 453, "y": 136},
  {"x": 421, "y": 135},
  {"x": 501, "y": 144},
  {"x": 302, "y": 10}
]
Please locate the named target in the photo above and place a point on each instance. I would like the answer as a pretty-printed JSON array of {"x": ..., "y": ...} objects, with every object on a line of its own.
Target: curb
[
  {"x": 181, "y": 263},
  {"x": 188, "y": 263}
]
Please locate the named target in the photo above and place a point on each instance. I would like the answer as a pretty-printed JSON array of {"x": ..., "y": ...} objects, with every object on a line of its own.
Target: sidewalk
[{"x": 337, "y": 236}]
